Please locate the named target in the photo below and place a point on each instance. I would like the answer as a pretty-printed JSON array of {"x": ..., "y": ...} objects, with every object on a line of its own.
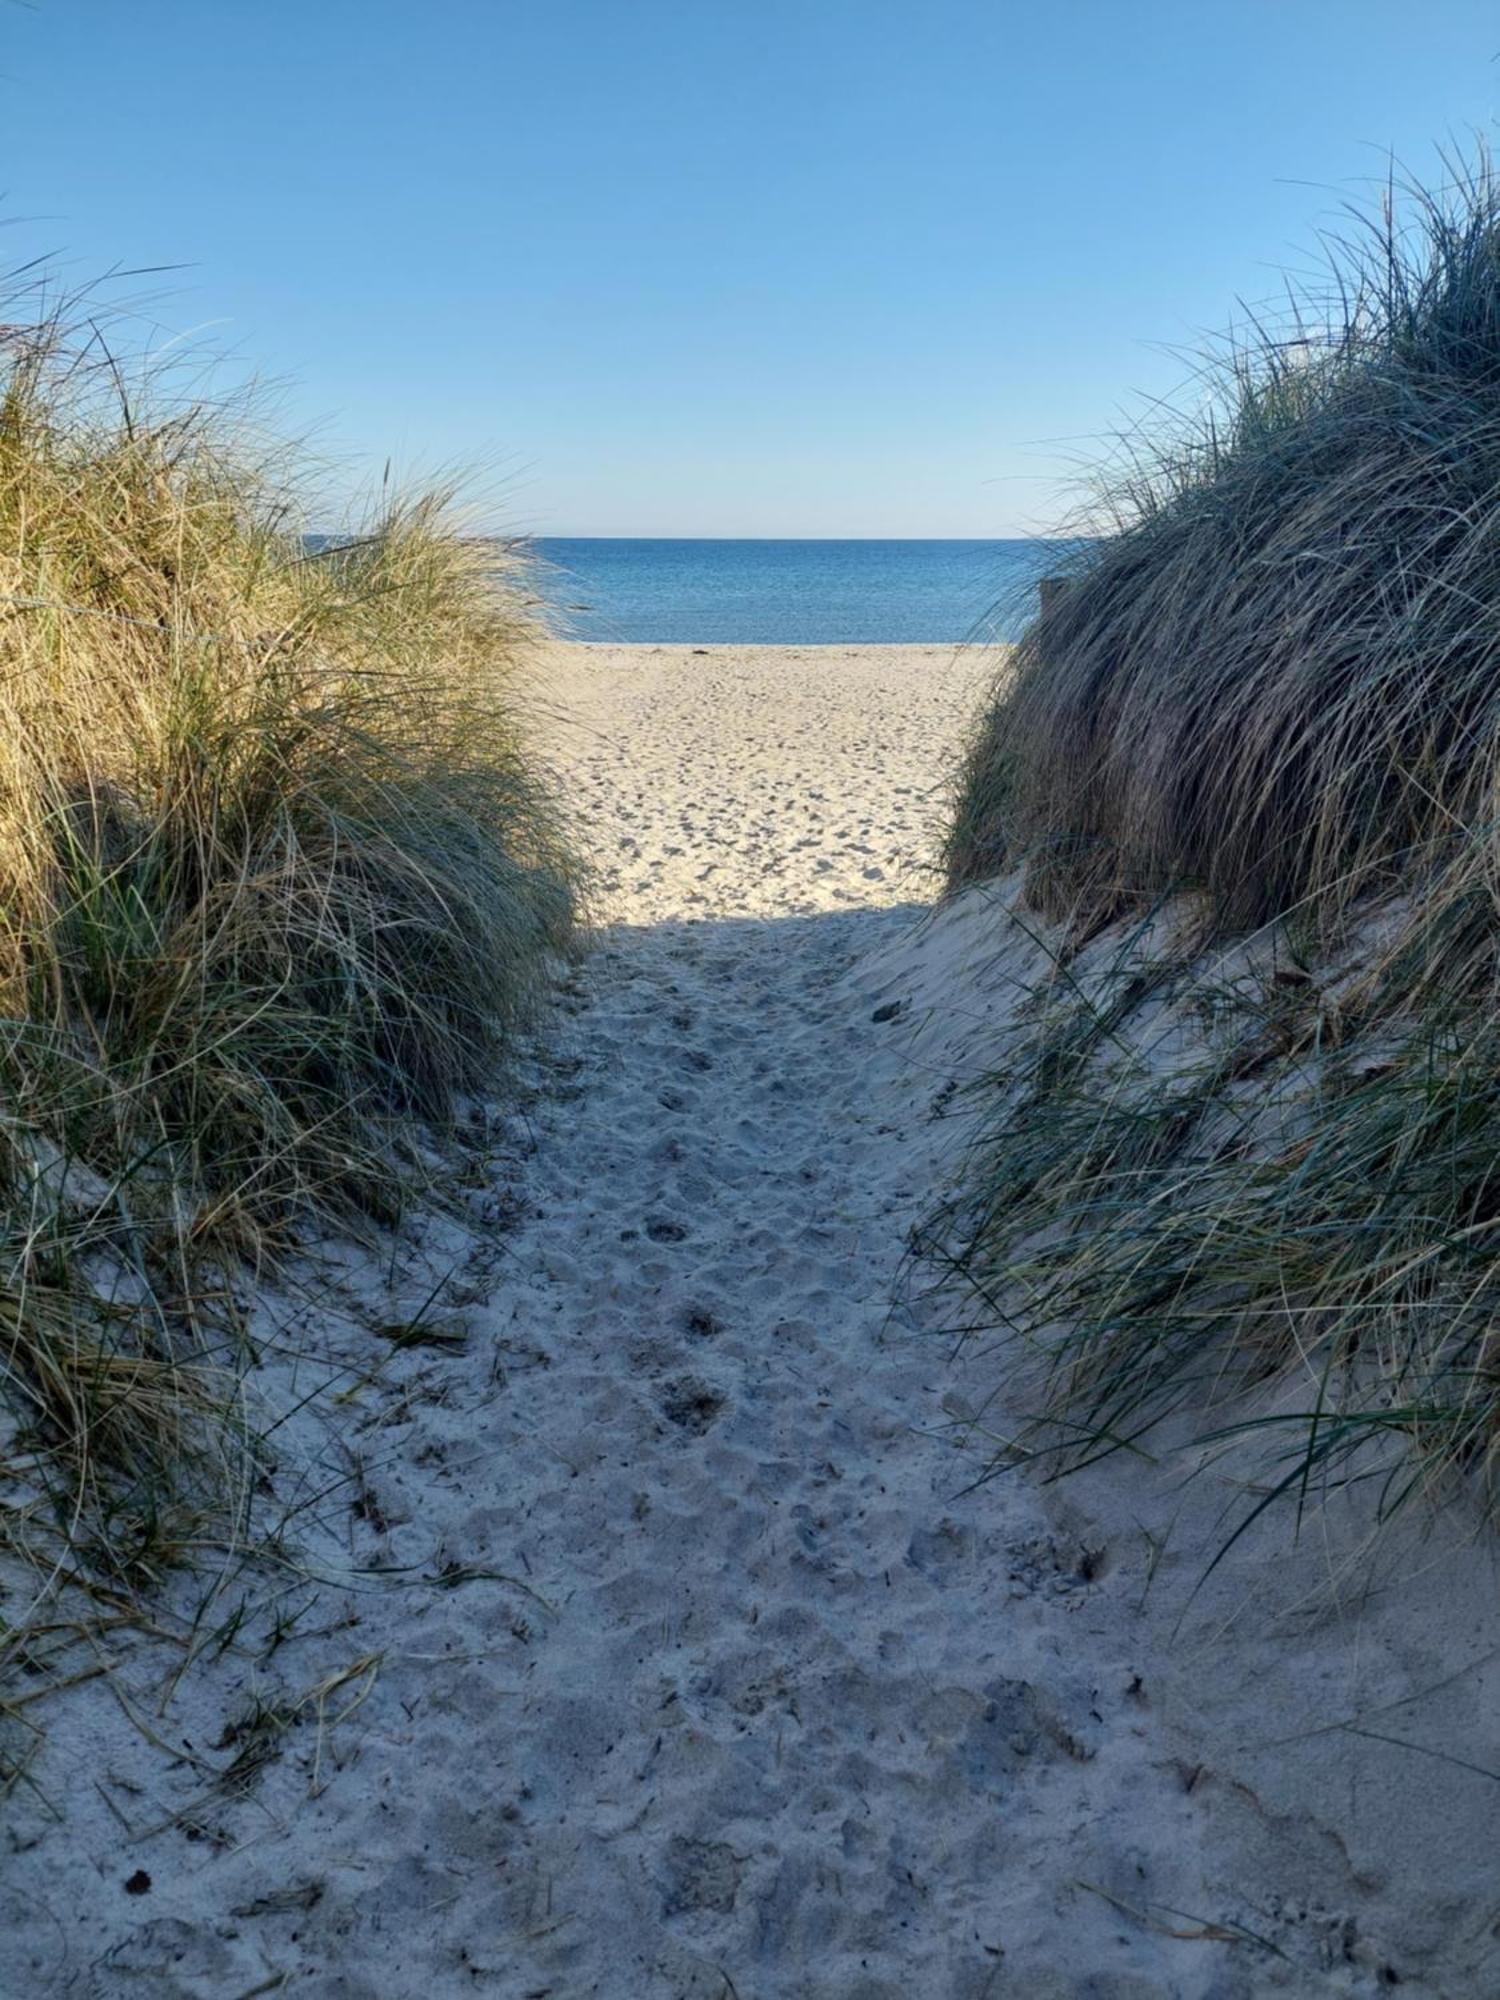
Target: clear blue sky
[{"x": 717, "y": 267}]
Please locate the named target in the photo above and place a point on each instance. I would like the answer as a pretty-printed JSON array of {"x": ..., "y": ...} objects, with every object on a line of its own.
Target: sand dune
[{"x": 697, "y": 1665}]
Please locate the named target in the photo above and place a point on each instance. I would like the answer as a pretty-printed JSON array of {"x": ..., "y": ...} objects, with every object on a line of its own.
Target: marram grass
[
  {"x": 1274, "y": 680},
  {"x": 278, "y": 881},
  {"x": 1268, "y": 701}
]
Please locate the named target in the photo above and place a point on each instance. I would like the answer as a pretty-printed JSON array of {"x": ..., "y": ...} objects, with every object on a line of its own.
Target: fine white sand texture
[{"x": 647, "y": 1635}]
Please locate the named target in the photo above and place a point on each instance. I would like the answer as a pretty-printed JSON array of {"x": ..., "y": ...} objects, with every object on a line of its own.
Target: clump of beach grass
[
  {"x": 279, "y": 881},
  {"x": 1263, "y": 717},
  {"x": 1274, "y": 678}
]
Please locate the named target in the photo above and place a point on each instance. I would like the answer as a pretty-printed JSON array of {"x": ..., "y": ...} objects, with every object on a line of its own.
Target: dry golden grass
[
  {"x": 1273, "y": 690},
  {"x": 277, "y": 882},
  {"x": 1275, "y": 680}
]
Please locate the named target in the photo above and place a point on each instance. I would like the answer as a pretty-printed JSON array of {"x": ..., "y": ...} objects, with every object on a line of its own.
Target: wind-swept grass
[
  {"x": 278, "y": 880},
  {"x": 1271, "y": 693},
  {"x": 1275, "y": 679}
]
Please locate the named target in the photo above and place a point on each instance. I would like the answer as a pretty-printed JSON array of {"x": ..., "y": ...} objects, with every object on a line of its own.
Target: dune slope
[{"x": 722, "y": 1678}]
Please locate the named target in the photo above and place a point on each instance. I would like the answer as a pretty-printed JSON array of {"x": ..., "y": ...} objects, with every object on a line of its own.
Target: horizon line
[{"x": 552, "y": 535}]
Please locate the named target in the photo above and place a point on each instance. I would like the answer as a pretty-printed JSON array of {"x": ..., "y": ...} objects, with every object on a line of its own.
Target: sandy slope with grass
[{"x": 643, "y": 1632}]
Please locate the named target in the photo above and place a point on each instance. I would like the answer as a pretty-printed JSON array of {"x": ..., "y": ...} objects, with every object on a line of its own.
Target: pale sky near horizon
[{"x": 840, "y": 267}]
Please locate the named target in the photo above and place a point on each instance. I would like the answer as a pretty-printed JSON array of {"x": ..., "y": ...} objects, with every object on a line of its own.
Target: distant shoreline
[
  {"x": 757, "y": 646},
  {"x": 798, "y": 541},
  {"x": 710, "y": 592}
]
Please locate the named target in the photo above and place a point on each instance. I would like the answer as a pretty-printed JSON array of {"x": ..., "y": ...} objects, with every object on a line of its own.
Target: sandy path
[
  {"x": 737, "y": 1691},
  {"x": 769, "y": 1743}
]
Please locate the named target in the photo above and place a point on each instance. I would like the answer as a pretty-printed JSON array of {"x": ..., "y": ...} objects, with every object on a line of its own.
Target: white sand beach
[{"x": 643, "y": 1631}]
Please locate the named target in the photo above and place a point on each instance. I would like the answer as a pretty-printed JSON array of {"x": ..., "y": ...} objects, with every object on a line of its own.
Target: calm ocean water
[{"x": 795, "y": 593}]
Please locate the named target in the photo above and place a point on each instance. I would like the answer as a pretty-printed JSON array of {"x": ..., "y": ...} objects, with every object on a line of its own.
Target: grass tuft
[
  {"x": 1253, "y": 1148},
  {"x": 278, "y": 883}
]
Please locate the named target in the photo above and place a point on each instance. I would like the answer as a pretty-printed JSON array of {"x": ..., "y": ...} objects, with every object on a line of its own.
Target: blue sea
[{"x": 795, "y": 593}]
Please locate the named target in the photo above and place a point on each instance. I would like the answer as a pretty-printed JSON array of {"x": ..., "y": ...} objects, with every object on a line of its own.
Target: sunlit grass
[
  {"x": 278, "y": 882},
  {"x": 1270, "y": 699}
]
